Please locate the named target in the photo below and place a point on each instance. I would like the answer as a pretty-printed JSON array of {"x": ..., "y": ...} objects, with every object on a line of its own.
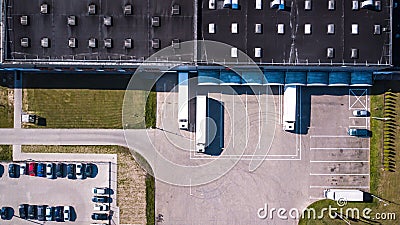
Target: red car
[{"x": 32, "y": 169}]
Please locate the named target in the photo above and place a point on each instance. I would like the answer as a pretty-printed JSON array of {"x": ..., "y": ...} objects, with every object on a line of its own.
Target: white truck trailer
[
  {"x": 289, "y": 107},
  {"x": 183, "y": 100},
  {"x": 201, "y": 123},
  {"x": 347, "y": 195}
]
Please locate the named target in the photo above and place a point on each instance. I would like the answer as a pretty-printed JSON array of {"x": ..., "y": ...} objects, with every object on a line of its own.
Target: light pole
[
  {"x": 381, "y": 200},
  {"x": 381, "y": 118}
]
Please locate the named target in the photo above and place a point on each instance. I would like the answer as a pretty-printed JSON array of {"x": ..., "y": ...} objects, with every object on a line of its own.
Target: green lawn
[
  {"x": 5, "y": 153},
  {"x": 135, "y": 186},
  {"x": 86, "y": 101},
  {"x": 384, "y": 184},
  {"x": 6, "y": 107}
]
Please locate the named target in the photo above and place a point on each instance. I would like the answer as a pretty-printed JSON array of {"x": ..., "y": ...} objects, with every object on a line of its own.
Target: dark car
[
  {"x": 60, "y": 170},
  {"x": 41, "y": 212},
  {"x": 6, "y": 213},
  {"x": 101, "y": 199},
  {"x": 32, "y": 212},
  {"x": 89, "y": 170},
  {"x": 58, "y": 213},
  {"x": 32, "y": 169},
  {"x": 41, "y": 167},
  {"x": 99, "y": 216},
  {"x": 12, "y": 170},
  {"x": 71, "y": 171},
  {"x": 23, "y": 208}
]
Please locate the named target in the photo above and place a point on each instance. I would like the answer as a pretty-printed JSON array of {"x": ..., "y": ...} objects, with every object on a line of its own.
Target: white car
[
  {"x": 79, "y": 171},
  {"x": 360, "y": 113},
  {"x": 100, "y": 207},
  {"x": 67, "y": 213},
  {"x": 49, "y": 170},
  {"x": 22, "y": 169},
  {"x": 100, "y": 190}
]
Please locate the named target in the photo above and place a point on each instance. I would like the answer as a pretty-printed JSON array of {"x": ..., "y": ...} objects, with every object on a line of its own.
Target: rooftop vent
[
  {"x": 307, "y": 28},
  {"x": 155, "y": 43},
  {"x": 211, "y": 28},
  {"x": 25, "y": 42},
  {"x": 107, "y": 21},
  {"x": 176, "y": 43},
  {"x": 155, "y": 21},
  {"x": 354, "y": 28},
  {"x": 355, "y": 5},
  {"x": 331, "y": 5},
  {"x": 258, "y": 4},
  {"x": 92, "y": 9},
  {"x": 257, "y": 52},
  {"x": 234, "y": 52},
  {"x": 354, "y": 53},
  {"x": 44, "y": 8},
  {"x": 211, "y": 4},
  {"x": 128, "y": 9},
  {"x": 108, "y": 43},
  {"x": 377, "y": 29},
  {"x": 330, "y": 53},
  {"x": 176, "y": 10},
  {"x": 331, "y": 29},
  {"x": 281, "y": 28},
  {"x": 307, "y": 5},
  {"x": 92, "y": 43},
  {"x": 234, "y": 28},
  {"x": 128, "y": 43},
  {"x": 72, "y": 42},
  {"x": 71, "y": 20},
  {"x": 24, "y": 20},
  {"x": 258, "y": 28},
  {"x": 45, "y": 42}
]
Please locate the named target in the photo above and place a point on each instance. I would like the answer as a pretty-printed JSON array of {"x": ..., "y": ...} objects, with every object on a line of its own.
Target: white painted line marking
[
  {"x": 339, "y": 186},
  {"x": 337, "y": 161},
  {"x": 339, "y": 174},
  {"x": 339, "y": 148},
  {"x": 316, "y": 198},
  {"x": 331, "y": 136}
]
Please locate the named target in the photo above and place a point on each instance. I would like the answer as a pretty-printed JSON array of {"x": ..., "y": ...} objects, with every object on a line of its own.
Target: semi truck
[
  {"x": 201, "y": 123},
  {"x": 348, "y": 195},
  {"x": 289, "y": 107},
  {"x": 183, "y": 100}
]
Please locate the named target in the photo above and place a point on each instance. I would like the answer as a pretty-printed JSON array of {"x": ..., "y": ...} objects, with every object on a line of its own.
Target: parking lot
[
  {"x": 76, "y": 193},
  {"x": 337, "y": 159},
  {"x": 297, "y": 168}
]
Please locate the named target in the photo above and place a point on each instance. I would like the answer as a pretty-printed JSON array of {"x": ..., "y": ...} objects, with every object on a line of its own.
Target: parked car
[
  {"x": 23, "y": 211},
  {"x": 6, "y": 213},
  {"x": 32, "y": 169},
  {"x": 100, "y": 207},
  {"x": 89, "y": 170},
  {"x": 79, "y": 170},
  {"x": 100, "y": 191},
  {"x": 60, "y": 170},
  {"x": 49, "y": 213},
  {"x": 101, "y": 199},
  {"x": 99, "y": 216},
  {"x": 360, "y": 113},
  {"x": 358, "y": 132},
  {"x": 71, "y": 171},
  {"x": 50, "y": 170},
  {"x": 41, "y": 170},
  {"x": 58, "y": 213},
  {"x": 22, "y": 169},
  {"x": 32, "y": 212},
  {"x": 41, "y": 212},
  {"x": 12, "y": 170},
  {"x": 67, "y": 213}
]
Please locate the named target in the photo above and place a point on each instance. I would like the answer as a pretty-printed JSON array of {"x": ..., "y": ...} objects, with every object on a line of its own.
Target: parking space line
[
  {"x": 339, "y": 148},
  {"x": 339, "y": 174},
  {"x": 316, "y": 198},
  {"x": 330, "y": 136},
  {"x": 339, "y": 186},
  {"x": 365, "y": 126},
  {"x": 337, "y": 161}
]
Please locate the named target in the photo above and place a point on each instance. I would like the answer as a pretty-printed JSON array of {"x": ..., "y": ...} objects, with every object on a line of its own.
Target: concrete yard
[{"x": 295, "y": 170}]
